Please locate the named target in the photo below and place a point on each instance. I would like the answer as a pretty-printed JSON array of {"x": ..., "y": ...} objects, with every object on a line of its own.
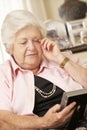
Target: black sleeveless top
[{"x": 43, "y": 104}]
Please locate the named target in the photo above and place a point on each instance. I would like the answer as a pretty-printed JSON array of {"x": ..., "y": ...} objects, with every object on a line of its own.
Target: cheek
[
  {"x": 18, "y": 53},
  {"x": 39, "y": 48}
]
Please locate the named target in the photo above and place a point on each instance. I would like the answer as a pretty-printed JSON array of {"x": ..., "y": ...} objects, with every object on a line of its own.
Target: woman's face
[{"x": 26, "y": 50}]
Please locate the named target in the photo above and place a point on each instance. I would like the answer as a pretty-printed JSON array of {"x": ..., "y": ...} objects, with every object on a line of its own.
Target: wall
[
  {"x": 51, "y": 7},
  {"x": 46, "y": 9},
  {"x": 38, "y": 9}
]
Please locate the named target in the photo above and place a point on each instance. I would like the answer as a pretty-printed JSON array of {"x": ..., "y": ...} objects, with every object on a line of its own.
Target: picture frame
[
  {"x": 75, "y": 29},
  {"x": 80, "y": 97}
]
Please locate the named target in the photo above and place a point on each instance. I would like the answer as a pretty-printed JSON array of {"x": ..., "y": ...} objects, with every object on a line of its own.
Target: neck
[{"x": 35, "y": 71}]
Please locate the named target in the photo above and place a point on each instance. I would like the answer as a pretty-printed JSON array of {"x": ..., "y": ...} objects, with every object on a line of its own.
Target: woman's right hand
[{"x": 54, "y": 118}]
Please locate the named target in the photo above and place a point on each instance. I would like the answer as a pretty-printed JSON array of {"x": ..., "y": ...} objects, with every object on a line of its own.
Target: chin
[{"x": 32, "y": 64}]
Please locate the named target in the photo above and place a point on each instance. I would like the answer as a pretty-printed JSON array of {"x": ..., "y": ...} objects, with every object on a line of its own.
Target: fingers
[
  {"x": 55, "y": 108},
  {"x": 68, "y": 111},
  {"x": 68, "y": 108},
  {"x": 47, "y": 44},
  {"x": 56, "y": 118}
]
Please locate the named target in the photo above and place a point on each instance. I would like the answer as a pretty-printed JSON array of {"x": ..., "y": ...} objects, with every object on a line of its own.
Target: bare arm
[
  {"x": 77, "y": 72},
  {"x": 52, "y": 52},
  {"x": 7, "y": 126},
  {"x": 12, "y": 121},
  {"x": 51, "y": 119}
]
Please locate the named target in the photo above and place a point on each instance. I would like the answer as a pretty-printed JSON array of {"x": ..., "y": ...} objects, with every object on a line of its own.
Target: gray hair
[{"x": 15, "y": 21}]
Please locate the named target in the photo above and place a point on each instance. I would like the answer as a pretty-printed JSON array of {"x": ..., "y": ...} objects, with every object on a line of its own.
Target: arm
[
  {"x": 12, "y": 121},
  {"x": 77, "y": 72},
  {"x": 7, "y": 126},
  {"x": 52, "y": 52},
  {"x": 51, "y": 119}
]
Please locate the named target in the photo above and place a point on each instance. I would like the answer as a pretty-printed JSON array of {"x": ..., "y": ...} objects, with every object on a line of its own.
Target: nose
[{"x": 30, "y": 45}]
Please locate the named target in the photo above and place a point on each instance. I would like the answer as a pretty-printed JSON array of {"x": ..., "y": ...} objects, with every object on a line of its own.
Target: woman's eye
[
  {"x": 22, "y": 43},
  {"x": 36, "y": 41}
]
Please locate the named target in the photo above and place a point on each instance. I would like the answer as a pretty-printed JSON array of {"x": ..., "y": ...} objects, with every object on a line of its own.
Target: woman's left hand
[{"x": 50, "y": 49}]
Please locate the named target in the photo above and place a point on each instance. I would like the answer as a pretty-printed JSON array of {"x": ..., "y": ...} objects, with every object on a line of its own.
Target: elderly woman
[{"x": 34, "y": 78}]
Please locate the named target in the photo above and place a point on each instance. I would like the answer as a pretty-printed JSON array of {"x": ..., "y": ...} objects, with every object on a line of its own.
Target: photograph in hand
[{"x": 80, "y": 97}]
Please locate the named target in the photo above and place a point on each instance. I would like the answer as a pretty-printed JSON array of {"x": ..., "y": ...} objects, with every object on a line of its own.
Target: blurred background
[{"x": 48, "y": 12}]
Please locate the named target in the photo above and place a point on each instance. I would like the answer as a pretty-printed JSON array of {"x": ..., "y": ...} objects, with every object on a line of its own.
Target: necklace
[{"x": 44, "y": 94}]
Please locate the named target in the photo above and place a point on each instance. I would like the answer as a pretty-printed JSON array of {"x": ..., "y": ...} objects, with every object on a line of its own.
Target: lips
[{"x": 31, "y": 54}]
